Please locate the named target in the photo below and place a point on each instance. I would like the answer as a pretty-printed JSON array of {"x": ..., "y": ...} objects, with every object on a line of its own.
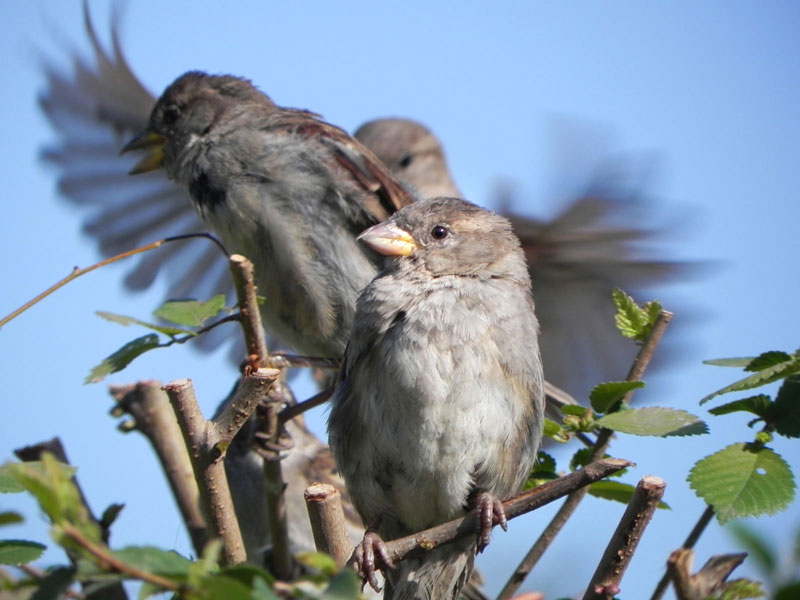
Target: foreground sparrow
[
  {"x": 591, "y": 247},
  {"x": 439, "y": 405}
]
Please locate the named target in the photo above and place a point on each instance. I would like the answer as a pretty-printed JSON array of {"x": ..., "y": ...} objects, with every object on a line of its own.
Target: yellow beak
[
  {"x": 153, "y": 143},
  {"x": 387, "y": 238}
]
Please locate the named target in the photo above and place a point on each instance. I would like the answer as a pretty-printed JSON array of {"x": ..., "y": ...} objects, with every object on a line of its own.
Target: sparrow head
[
  {"x": 412, "y": 152},
  {"x": 450, "y": 236},
  {"x": 187, "y": 111}
]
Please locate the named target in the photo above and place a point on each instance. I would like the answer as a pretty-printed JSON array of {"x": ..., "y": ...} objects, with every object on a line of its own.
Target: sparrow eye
[
  {"x": 440, "y": 232},
  {"x": 406, "y": 160},
  {"x": 171, "y": 115}
]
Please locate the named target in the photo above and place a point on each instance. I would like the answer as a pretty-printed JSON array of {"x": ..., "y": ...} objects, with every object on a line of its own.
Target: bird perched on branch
[
  {"x": 576, "y": 259},
  {"x": 440, "y": 399}
]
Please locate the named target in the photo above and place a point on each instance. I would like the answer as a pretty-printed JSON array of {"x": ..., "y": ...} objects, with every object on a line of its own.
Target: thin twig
[
  {"x": 290, "y": 412},
  {"x": 604, "y": 584},
  {"x": 520, "y": 504},
  {"x": 109, "y": 561},
  {"x": 598, "y": 450},
  {"x": 244, "y": 283},
  {"x": 280, "y": 360},
  {"x": 324, "y": 504},
  {"x": 147, "y": 403},
  {"x": 688, "y": 544}
]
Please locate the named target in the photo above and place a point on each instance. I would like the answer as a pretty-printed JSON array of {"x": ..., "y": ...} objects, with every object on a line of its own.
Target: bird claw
[
  {"x": 364, "y": 555},
  {"x": 490, "y": 513}
]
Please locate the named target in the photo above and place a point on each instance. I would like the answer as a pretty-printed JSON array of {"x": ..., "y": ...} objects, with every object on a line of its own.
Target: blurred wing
[
  {"x": 576, "y": 260},
  {"x": 94, "y": 109}
]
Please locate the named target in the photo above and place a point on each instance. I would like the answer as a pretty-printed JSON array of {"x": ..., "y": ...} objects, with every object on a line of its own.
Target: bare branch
[
  {"x": 244, "y": 283},
  {"x": 520, "y": 504},
  {"x": 604, "y": 584},
  {"x": 147, "y": 403},
  {"x": 324, "y": 504},
  {"x": 708, "y": 582},
  {"x": 207, "y": 443}
]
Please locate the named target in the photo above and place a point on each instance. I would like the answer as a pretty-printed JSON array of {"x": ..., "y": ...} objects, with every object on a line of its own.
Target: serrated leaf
[
  {"x": 616, "y": 491},
  {"x": 767, "y": 359},
  {"x": 784, "y": 413},
  {"x": 345, "y": 585},
  {"x": 741, "y": 589},
  {"x": 742, "y": 480},
  {"x": 122, "y": 357},
  {"x": 126, "y": 321},
  {"x": 633, "y": 321},
  {"x": 762, "y": 377},
  {"x": 545, "y": 463},
  {"x": 554, "y": 431},
  {"x": 191, "y": 313},
  {"x": 10, "y": 518},
  {"x": 19, "y": 552},
  {"x": 604, "y": 396},
  {"x": 9, "y": 484},
  {"x": 654, "y": 420},
  {"x": 758, "y": 405},
  {"x": 740, "y": 361}
]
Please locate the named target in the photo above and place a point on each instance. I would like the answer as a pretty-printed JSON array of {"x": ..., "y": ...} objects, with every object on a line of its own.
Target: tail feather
[{"x": 439, "y": 574}]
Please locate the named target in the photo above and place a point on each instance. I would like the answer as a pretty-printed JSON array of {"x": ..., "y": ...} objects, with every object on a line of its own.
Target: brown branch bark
[
  {"x": 207, "y": 442},
  {"x": 604, "y": 584},
  {"x": 518, "y": 505},
  {"x": 324, "y": 504},
  {"x": 708, "y": 582},
  {"x": 529, "y": 561},
  {"x": 147, "y": 403}
]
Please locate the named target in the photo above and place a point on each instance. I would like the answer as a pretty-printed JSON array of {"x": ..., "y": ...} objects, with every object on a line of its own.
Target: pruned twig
[
  {"x": 708, "y": 582},
  {"x": 324, "y": 504},
  {"x": 147, "y": 403},
  {"x": 604, "y": 584},
  {"x": 598, "y": 450}
]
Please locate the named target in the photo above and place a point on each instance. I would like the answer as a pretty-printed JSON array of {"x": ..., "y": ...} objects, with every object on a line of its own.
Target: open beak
[
  {"x": 153, "y": 143},
  {"x": 387, "y": 238}
]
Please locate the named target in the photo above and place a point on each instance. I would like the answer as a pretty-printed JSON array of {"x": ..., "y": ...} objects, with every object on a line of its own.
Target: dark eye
[
  {"x": 406, "y": 160},
  {"x": 440, "y": 232},
  {"x": 171, "y": 114}
]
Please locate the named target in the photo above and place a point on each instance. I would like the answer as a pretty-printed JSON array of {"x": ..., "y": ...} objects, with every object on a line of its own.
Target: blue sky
[{"x": 706, "y": 91}]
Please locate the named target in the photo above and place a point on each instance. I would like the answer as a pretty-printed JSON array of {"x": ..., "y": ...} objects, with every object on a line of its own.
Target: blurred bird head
[{"x": 187, "y": 113}]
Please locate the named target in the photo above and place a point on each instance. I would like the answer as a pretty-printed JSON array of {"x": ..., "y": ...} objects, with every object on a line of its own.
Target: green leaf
[
  {"x": 654, "y": 420},
  {"x": 741, "y": 589},
  {"x": 616, "y": 491},
  {"x": 762, "y": 377},
  {"x": 122, "y": 357},
  {"x": 262, "y": 590},
  {"x": 545, "y": 463},
  {"x": 574, "y": 409},
  {"x": 345, "y": 585},
  {"x": 632, "y": 320},
  {"x": 248, "y": 574},
  {"x": 767, "y": 359},
  {"x": 741, "y": 361},
  {"x": 54, "y": 583},
  {"x": 10, "y": 484},
  {"x": 10, "y": 518},
  {"x": 317, "y": 561},
  {"x": 743, "y": 480},
  {"x": 19, "y": 552},
  {"x": 604, "y": 396},
  {"x": 554, "y": 431},
  {"x": 788, "y": 592},
  {"x": 758, "y": 405},
  {"x": 126, "y": 321},
  {"x": 784, "y": 414},
  {"x": 191, "y": 313},
  {"x": 219, "y": 587}
]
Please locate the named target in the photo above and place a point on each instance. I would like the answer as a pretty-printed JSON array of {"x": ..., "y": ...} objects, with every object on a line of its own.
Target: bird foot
[
  {"x": 364, "y": 557},
  {"x": 490, "y": 513}
]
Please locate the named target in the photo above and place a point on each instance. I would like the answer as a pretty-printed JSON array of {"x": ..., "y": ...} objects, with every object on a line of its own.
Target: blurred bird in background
[{"x": 575, "y": 259}]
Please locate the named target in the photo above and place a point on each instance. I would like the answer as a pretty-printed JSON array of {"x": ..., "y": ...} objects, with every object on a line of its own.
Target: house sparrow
[
  {"x": 282, "y": 187},
  {"x": 440, "y": 399},
  {"x": 578, "y": 257}
]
